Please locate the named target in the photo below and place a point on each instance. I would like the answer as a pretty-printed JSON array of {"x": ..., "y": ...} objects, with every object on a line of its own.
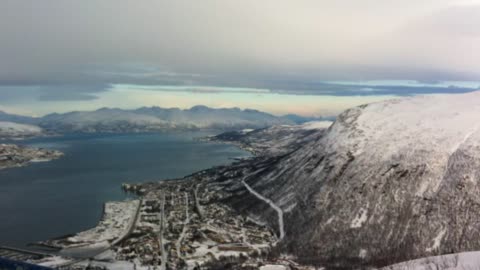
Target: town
[{"x": 173, "y": 225}]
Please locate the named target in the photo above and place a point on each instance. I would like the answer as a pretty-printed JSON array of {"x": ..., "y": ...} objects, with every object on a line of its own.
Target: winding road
[{"x": 273, "y": 205}]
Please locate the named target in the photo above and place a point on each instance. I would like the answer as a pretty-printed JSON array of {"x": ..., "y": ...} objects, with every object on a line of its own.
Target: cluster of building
[
  {"x": 178, "y": 224},
  {"x": 184, "y": 225},
  {"x": 173, "y": 225}
]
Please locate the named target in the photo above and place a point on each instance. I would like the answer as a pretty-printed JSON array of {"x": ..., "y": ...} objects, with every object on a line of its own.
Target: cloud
[
  {"x": 11, "y": 94},
  {"x": 70, "y": 92},
  {"x": 55, "y": 40},
  {"x": 54, "y": 50}
]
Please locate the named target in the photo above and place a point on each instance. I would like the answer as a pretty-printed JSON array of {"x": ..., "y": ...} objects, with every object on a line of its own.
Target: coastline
[
  {"x": 94, "y": 248},
  {"x": 14, "y": 156},
  {"x": 115, "y": 225}
]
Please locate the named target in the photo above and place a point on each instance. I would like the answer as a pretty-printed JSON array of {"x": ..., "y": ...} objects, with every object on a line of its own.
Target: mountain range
[{"x": 153, "y": 119}]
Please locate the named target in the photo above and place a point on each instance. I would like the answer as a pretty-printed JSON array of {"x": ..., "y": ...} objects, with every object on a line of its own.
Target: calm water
[{"x": 46, "y": 200}]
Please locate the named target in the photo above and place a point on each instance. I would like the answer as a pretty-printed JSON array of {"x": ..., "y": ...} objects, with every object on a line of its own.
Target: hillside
[
  {"x": 388, "y": 182},
  {"x": 275, "y": 140}
]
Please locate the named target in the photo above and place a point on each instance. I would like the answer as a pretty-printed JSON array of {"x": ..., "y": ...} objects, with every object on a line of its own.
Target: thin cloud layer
[{"x": 77, "y": 49}]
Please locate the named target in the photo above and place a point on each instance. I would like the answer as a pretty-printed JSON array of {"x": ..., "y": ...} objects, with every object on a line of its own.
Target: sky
[{"x": 311, "y": 57}]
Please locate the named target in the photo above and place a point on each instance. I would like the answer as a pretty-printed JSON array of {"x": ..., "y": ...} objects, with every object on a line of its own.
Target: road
[{"x": 273, "y": 205}]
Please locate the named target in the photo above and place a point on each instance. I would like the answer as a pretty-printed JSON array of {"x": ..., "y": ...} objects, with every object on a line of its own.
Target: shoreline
[
  {"x": 127, "y": 188},
  {"x": 116, "y": 223},
  {"x": 16, "y": 156},
  {"x": 63, "y": 245},
  {"x": 52, "y": 173}
]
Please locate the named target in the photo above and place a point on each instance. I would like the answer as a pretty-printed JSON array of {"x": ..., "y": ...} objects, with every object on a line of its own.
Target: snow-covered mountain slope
[
  {"x": 388, "y": 182},
  {"x": 15, "y": 130}
]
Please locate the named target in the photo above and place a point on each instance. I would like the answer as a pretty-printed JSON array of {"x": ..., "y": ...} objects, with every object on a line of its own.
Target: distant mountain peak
[
  {"x": 200, "y": 108},
  {"x": 153, "y": 118}
]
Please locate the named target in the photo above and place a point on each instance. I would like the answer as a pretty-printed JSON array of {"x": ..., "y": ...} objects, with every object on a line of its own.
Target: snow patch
[
  {"x": 437, "y": 240},
  {"x": 363, "y": 253},
  {"x": 53, "y": 261},
  {"x": 330, "y": 220},
  {"x": 361, "y": 218},
  {"x": 247, "y": 130},
  {"x": 317, "y": 125}
]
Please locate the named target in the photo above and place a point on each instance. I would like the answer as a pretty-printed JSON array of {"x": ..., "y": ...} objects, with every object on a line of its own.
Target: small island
[{"x": 12, "y": 155}]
